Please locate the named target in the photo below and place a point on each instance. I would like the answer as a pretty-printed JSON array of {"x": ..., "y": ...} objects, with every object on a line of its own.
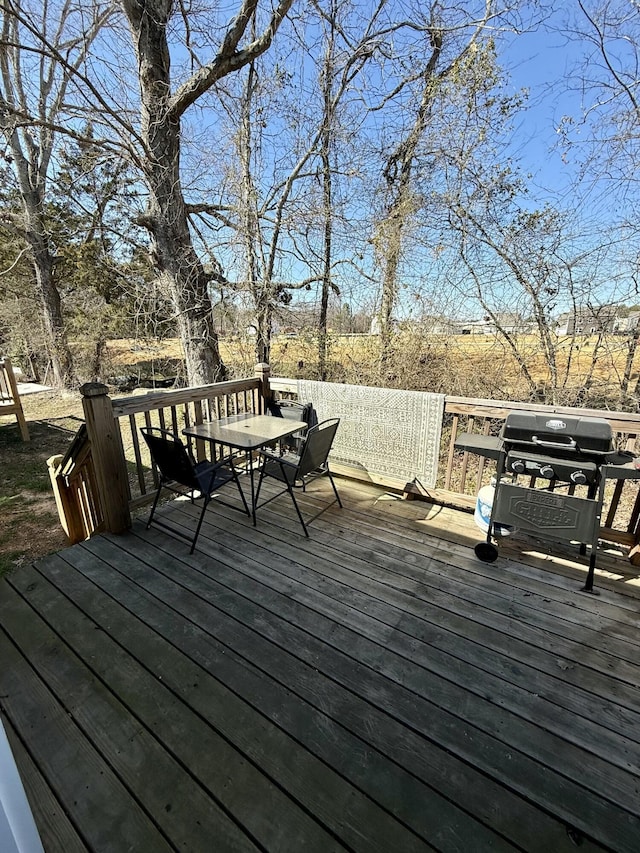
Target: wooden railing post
[
  {"x": 262, "y": 372},
  {"x": 108, "y": 456}
]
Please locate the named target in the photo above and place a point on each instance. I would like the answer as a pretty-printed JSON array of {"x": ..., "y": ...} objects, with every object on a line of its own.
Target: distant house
[
  {"x": 628, "y": 324},
  {"x": 589, "y": 320},
  {"x": 507, "y": 321},
  {"x": 437, "y": 325}
]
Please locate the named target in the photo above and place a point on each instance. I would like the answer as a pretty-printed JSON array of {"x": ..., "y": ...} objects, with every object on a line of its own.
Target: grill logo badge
[
  {"x": 556, "y": 424},
  {"x": 543, "y": 513}
]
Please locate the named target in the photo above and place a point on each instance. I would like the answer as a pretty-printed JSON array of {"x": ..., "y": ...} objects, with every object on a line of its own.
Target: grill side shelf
[{"x": 484, "y": 445}]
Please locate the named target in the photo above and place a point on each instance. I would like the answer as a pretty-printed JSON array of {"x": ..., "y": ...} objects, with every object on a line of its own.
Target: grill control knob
[
  {"x": 547, "y": 472},
  {"x": 578, "y": 477},
  {"x": 518, "y": 466}
]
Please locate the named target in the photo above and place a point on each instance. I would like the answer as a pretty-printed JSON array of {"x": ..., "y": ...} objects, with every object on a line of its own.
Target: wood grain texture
[{"x": 372, "y": 688}]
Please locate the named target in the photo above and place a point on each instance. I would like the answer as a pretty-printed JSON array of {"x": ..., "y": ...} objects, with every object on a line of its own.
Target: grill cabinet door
[{"x": 548, "y": 514}]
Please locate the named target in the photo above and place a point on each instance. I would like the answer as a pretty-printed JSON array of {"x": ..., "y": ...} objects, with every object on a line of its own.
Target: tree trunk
[
  {"x": 250, "y": 224},
  {"x": 56, "y": 343},
  {"x": 33, "y": 82},
  {"x": 398, "y": 174},
  {"x": 327, "y": 195},
  {"x": 326, "y": 261},
  {"x": 392, "y": 250},
  {"x": 632, "y": 345},
  {"x": 179, "y": 268},
  {"x": 264, "y": 323}
]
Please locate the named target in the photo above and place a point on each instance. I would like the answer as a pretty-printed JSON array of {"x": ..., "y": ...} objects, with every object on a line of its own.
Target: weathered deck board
[
  {"x": 50, "y": 817},
  {"x": 485, "y": 715},
  {"x": 248, "y": 677},
  {"x": 372, "y": 688},
  {"x": 81, "y": 777}
]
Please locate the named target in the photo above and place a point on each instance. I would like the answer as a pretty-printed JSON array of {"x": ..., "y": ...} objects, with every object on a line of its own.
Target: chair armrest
[
  {"x": 281, "y": 460},
  {"x": 269, "y": 454}
]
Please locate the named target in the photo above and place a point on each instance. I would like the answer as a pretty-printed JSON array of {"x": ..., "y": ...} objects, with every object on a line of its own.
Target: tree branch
[{"x": 228, "y": 58}]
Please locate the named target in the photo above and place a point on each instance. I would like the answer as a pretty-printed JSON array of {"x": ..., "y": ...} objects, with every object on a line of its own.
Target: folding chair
[
  {"x": 293, "y": 411},
  {"x": 181, "y": 474},
  {"x": 295, "y": 471}
]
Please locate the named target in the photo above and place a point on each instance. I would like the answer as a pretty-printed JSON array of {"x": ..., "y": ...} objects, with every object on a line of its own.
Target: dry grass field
[{"x": 463, "y": 365}]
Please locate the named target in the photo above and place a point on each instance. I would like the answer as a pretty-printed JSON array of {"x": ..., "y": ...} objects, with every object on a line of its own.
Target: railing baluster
[
  {"x": 465, "y": 457},
  {"x": 454, "y": 435},
  {"x": 136, "y": 451},
  {"x": 486, "y": 429}
]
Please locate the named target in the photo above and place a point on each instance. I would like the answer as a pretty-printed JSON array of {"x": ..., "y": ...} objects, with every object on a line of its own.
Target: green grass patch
[
  {"x": 29, "y": 524},
  {"x": 7, "y": 500}
]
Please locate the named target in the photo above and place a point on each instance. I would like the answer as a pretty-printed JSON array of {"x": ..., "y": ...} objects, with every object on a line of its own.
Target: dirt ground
[{"x": 29, "y": 525}]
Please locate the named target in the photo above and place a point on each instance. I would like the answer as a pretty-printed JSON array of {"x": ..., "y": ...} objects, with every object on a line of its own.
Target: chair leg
[
  {"x": 260, "y": 479},
  {"x": 335, "y": 491},
  {"x": 205, "y": 504},
  {"x": 237, "y": 482},
  {"x": 295, "y": 503},
  {"x": 154, "y": 505}
]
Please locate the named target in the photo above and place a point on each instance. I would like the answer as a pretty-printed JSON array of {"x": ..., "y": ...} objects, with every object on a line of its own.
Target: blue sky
[{"x": 540, "y": 61}]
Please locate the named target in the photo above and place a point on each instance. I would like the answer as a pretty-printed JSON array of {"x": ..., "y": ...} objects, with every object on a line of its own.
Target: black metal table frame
[{"x": 246, "y": 432}]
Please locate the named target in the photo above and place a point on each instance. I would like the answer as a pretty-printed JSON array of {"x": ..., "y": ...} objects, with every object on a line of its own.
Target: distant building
[
  {"x": 589, "y": 320},
  {"x": 628, "y": 324},
  {"x": 508, "y": 321}
]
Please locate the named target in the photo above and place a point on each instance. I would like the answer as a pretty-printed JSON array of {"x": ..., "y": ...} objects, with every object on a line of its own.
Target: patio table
[{"x": 246, "y": 432}]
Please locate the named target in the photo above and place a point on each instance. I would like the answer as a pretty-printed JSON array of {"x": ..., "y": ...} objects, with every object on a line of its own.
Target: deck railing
[
  {"x": 463, "y": 473},
  {"x": 122, "y": 477},
  {"x": 73, "y": 478}
]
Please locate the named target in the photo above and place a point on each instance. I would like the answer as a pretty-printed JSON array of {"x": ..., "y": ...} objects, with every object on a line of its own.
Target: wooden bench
[{"x": 10, "y": 403}]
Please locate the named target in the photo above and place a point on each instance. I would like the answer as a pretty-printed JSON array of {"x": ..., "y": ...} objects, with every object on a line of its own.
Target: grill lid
[{"x": 568, "y": 434}]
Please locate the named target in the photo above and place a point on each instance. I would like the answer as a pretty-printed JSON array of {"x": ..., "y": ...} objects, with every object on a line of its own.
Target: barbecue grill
[{"x": 550, "y": 478}]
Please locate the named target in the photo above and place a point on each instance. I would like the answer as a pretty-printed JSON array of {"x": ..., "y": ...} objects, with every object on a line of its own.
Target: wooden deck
[{"x": 373, "y": 688}]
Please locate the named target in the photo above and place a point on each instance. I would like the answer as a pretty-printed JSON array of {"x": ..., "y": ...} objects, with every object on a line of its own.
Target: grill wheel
[{"x": 486, "y": 551}]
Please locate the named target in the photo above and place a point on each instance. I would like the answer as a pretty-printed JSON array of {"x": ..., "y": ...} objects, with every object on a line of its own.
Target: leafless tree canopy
[{"x": 320, "y": 166}]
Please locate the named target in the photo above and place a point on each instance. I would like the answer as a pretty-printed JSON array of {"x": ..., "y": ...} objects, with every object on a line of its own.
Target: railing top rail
[
  {"x": 620, "y": 421},
  {"x": 76, "y": 452},
  {"x": 161, "y": 399},
  {"x": 283, "y": 383}
]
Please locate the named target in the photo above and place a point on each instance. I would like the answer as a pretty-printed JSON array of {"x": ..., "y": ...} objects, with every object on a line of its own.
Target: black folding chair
[
  {"x": 293, "y": 411},
  {"x": 180, "y": 473},
  {"x": 295, "y": 471}
]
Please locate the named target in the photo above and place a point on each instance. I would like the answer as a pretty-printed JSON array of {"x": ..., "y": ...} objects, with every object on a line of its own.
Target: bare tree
[
  {"x": 327, "y": 132},
  {"x": 284, "y": 140},
  {"x": 604, "y": 133},
  {"x": 33, "y": 89},
  {"x": 602, "y": 137},
  {"x": 399, "y": 164},
  {"x": 162, "y": 109},
  {"x": 262, "y": 225},
  {"x": 509, "y": 264},
  {"x": 452, "y": 36}
]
